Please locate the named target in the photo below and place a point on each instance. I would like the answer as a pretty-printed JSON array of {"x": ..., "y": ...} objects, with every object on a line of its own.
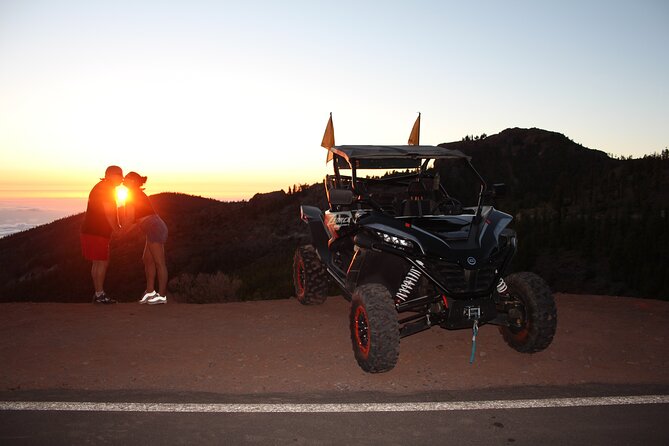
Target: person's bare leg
[
  {"x": 98, "y": 272},
  {"x": 149, "y": 269},
  {"x": 157, "y": 251}
]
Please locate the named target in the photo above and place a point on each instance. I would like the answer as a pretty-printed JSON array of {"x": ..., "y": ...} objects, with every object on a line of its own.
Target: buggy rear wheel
[
  {"x": 533, "y": 320},
  {"x": 375, "y": 332},
  {"x": 310, "y": 277}
]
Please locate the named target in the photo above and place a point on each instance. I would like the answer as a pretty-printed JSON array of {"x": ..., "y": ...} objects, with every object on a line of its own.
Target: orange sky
[
  {"x": 226, "y": 99},
  {"x": 223, "y": 186}
]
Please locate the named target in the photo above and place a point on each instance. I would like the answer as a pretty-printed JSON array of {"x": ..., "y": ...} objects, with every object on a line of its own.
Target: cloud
[
  {"x": 8, "y": 229},
  {"x": 19, "y": 218}
]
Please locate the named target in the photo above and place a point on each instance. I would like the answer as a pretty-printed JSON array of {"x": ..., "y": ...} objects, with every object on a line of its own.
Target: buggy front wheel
[
  {"x": 532, "y": 314},
  {"x": 375, "y": 332}
]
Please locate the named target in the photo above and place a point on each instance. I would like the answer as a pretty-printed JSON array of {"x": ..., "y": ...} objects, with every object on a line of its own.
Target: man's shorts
[{"x": 94, "y": 247}]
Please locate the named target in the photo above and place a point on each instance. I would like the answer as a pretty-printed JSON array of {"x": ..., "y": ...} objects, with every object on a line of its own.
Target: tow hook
[{"x": 475, "y": 331}]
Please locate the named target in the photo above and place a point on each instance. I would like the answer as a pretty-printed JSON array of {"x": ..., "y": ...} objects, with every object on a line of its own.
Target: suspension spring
[
  {"x": 502, "y": 288},
  {"x": 408, "y": 284}
]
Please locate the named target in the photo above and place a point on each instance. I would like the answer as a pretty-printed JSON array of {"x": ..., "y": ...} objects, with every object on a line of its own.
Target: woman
[{"x": 138, "y": 210}]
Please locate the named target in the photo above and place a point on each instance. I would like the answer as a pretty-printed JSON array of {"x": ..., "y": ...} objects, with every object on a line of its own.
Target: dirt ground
[{"x": 284, "y": 347}]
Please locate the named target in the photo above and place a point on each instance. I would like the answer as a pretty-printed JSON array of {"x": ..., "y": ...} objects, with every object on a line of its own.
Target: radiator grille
[{"x": 459, "y": 280}]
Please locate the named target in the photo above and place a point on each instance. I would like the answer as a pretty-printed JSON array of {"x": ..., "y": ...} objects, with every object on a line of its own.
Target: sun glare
[{"x": 121, "y": 195}]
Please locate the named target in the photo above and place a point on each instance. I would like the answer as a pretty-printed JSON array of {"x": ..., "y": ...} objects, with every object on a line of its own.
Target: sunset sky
[{"x": 225, "y": 99}]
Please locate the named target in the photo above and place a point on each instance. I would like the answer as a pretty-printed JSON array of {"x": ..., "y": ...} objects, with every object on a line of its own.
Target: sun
[{"x": 121, "y": 195}]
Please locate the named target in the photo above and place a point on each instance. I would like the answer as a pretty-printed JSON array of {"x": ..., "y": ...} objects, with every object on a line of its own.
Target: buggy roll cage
[{"x": 388, "y": 157}]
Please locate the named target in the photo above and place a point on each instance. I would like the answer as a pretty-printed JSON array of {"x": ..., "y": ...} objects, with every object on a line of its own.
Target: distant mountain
[
  {"x": 532, "y": 162},
  {"x": 216, "y": 245},
  {"x": 587, "y": 222}
]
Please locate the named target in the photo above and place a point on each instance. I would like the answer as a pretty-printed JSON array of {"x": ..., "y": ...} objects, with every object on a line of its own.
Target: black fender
[
  {"x": 313, "y": 217},
  {"x": 365, "y": 269}
]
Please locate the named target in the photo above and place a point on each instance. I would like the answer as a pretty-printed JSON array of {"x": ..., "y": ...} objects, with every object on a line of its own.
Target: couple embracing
[{"x": 102, "y": 220}]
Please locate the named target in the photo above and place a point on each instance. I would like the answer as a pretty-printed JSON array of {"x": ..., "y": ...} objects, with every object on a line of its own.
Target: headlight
[{"x": 395, "y": 241}]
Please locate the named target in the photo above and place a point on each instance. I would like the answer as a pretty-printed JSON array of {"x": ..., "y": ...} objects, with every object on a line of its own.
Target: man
[{"x": 100, "y": 221}]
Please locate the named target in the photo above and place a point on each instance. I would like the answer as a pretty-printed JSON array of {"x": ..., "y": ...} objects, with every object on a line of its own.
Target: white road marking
[{"x": 332, "y": 407}]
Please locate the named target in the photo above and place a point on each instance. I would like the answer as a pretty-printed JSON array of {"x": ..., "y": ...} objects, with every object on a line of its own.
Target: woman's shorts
[
  {"x": 155, "y": 229},
  {"x": 94, "y": 247}
]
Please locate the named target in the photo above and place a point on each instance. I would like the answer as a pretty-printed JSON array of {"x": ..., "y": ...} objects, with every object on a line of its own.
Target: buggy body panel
[{"x": 409, "y": 256}]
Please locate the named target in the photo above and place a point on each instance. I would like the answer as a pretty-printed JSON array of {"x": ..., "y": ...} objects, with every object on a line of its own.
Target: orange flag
[
  {"x": 414, "y": 138},
  {"x": 328, "y": 138}
]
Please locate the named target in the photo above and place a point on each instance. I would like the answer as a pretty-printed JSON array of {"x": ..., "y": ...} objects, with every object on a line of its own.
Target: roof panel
[{"x": 381, "y": 152}]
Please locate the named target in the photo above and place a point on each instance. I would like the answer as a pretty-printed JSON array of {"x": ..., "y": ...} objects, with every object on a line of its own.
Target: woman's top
[{"x": 141, "y": 203}]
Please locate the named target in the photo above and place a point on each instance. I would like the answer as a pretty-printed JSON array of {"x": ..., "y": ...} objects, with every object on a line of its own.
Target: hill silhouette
[
  {"x": 587, "y": 222},
  {"x": 213, "y": 244}
]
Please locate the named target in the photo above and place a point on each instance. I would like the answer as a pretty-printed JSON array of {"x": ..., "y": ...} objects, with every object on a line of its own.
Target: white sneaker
[
  {"x": 157, "y": 299},
  {"x": 147, "y": 296}
]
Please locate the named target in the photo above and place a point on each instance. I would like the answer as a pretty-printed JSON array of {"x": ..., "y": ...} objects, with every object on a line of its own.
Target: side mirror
[{"x": 338, "y": 197}]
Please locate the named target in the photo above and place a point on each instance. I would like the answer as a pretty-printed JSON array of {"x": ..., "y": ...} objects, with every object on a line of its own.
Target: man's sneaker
[
  {"x": 103, "y": 299},
  {"x": 147, "y": 296},
  {"x": 157, "y": 299}
]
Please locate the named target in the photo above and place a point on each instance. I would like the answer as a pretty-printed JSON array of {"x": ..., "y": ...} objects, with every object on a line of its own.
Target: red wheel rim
[
  {"x": 520, "y": 334},
  {"x": 362, "y": 335},
  {"x": 301, "y": 279}
]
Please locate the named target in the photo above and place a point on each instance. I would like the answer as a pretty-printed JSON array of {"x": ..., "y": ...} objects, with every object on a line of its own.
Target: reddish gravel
[{"x": 281, "y": 346}]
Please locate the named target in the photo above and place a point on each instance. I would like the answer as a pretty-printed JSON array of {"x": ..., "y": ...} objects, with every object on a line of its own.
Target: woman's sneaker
[
  {"x": 157, "y": 299},
  {"x": 146, "y": 297}
]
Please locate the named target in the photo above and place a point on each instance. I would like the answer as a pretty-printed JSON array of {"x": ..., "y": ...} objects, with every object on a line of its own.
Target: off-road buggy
[{"x": 409, "y": 256}]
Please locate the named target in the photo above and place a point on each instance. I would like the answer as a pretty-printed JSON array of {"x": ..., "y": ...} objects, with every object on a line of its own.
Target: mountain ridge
[{"x": 587, "y": 222}]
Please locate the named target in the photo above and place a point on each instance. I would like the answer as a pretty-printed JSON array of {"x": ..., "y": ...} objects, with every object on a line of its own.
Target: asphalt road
[
  {"x": 154, "y": 375},
  {"x": 623, "y": 424}
]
